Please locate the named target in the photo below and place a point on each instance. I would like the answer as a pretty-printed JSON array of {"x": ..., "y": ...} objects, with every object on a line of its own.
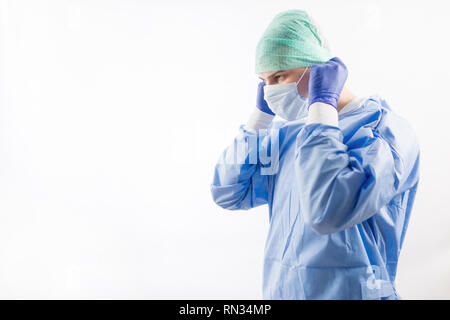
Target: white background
[{"x": 113, "y": 114}]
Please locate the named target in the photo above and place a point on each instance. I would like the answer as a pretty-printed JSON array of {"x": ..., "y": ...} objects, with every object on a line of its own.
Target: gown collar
[{"x": 352, "y": 105}]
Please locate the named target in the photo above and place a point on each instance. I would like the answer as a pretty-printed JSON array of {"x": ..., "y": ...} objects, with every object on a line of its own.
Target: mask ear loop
[{"x": 302, "y": 76}]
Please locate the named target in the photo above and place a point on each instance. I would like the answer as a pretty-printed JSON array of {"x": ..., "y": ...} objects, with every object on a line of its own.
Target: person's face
[{"x": 287, "y": 76}]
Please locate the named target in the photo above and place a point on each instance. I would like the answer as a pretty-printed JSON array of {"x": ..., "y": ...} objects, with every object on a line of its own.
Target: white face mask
[{"x": 285, "y": 101}]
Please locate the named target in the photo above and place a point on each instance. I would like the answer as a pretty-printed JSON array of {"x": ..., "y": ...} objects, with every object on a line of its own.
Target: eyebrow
[{"x": 273, "y": 74}]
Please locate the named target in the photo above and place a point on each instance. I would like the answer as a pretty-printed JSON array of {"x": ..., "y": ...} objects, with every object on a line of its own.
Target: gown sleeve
[
  {"x": 242, "y": 173},
  {"x": 341, "y": 186}
]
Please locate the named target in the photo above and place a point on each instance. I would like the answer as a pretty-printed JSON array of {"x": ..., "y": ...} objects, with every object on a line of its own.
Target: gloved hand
[
  {"x": 261, "y": 104},
  {"x": 326, "y": 82}
]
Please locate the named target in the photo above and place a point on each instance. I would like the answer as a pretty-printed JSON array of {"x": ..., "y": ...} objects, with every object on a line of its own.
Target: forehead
[{"x": 269, "y": 74}]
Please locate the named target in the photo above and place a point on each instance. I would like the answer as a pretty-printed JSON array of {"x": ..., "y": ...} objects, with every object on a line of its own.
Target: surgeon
[{"x": 343, "y": 178}]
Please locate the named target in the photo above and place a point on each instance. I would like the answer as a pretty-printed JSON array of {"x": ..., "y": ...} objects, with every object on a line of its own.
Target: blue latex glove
[
  {"x": 261, "y": 104},
  {"x": 326, "y": 82}
]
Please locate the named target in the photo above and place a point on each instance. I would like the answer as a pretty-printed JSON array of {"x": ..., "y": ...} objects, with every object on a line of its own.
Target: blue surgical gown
[{"x": 339, "y": 201}]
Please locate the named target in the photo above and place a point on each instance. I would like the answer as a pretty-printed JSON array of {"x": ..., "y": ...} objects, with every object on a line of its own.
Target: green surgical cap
[{"x": 290, "y": 41}]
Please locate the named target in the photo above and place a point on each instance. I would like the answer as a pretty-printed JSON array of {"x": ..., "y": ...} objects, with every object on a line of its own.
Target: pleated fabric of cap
[{"x": 292, "y": 40}]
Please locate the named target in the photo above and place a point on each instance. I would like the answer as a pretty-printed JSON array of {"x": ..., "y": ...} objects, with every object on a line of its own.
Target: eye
[{"x": 278, "y": 78}]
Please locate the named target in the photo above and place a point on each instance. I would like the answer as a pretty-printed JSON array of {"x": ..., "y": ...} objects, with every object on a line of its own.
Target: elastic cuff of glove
[{"x": 258, "y": 120}]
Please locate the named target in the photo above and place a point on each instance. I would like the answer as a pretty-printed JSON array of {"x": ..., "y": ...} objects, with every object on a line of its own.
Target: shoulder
[
  {"x": 401, "y": 138},
  {"x": 374, "y": 120},
  {"x": 395, "y": 129},
  {"x": 376, "y": 123},
  {"x": 380, "y": 119}
]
